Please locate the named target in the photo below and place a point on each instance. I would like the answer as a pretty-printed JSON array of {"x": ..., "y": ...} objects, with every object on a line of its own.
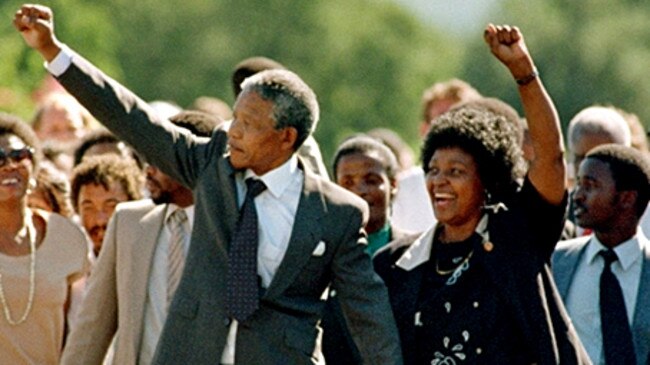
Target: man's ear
[
  {"x": 628, "y": 198},
  {"x": 289, "y": 137},
  {"x": 393, "y": 188}
]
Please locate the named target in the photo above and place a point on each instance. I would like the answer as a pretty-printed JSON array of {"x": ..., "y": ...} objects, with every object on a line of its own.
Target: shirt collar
[
  {"x": 628, "y": 252},
  {"x": 278, "y": 179},
  {"x": 420, "y": 251},
  {"x": 189, "y": 211}
]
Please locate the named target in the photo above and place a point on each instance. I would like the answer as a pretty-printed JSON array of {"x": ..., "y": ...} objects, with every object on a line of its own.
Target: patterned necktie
[
  {"x": 175, "y": 251},
  {"x": 243, "y": 290},
  {"x": 618, "y": 345}
]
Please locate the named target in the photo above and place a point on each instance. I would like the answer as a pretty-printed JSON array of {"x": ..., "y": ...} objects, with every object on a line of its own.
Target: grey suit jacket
[
  {"x": 284, "y": 330},
  {"x": 117, "y": 288},
  {"x": 565, "y": 261}
]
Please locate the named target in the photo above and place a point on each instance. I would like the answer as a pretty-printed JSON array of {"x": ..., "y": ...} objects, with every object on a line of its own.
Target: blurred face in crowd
[
  {"x": 161, "y": 187},
  {"x": 595, "y": 197},
  {"x": 365, "y": 175},
  {"x": 61, "y": 124},
  {"x": 455, "y": 188},
  {"x": 254, "y": 141},
  {"x": 96, "y": 206},
  {"x": 435, "y": 109},
  {"x": 15, "y": 167}
]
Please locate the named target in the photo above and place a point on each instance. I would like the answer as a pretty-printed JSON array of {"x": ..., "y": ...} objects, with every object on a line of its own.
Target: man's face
[
  {"x": 365, "y": 175},
  {"x": 595, "y": 197},
  {"x": 61, "y": 124},
  {"x": 161, "y": 187},
  {"x": 96, "y": 206},
  {"x": 254, "y": 141}
]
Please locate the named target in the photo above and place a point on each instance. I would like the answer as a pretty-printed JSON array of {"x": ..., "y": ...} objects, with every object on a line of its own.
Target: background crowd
[{"x": 98, "y": 223}]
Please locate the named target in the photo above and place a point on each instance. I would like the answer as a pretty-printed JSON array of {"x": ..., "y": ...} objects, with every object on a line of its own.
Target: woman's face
[
  {"x": 455, "y": 188},
  {"x": 15, "y": 167}
]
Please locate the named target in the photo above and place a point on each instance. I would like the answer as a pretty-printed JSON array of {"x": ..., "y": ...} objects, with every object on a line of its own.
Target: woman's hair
[
  {"x": 55, "y": 187},
  {"x": 11, "y": 124},
  {"x": 489, "y": 138}
]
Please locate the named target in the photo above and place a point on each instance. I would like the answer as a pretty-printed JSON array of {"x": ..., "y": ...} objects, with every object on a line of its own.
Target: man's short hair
[
  {"x": 102, "y": 136},
  {"x": 453, "y": 89},
  {"x": 630, "y": 170},
  {"x": 200, "y": 123},
  {"x": 249, "y": 67},
  {"x": 599, "y": 120},
  {"x": 294, "y": 103},
  {"x": 366, "y": 145},
  {"x": 104, "y": 170}
]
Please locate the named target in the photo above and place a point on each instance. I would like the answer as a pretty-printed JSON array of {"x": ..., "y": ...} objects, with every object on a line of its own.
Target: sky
[{"x": 460, "y": 17}]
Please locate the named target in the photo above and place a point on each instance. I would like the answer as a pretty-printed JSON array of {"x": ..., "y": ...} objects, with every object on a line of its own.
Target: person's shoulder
[
  {"x": 395, "y": 248},
  {"x": 67, "y": 235},
  {"x": 60, "y": 224},
  {"x": 571, "y": 245},
  {"x": 333, "y": 194},
  {"x": 141, "y": 205}
]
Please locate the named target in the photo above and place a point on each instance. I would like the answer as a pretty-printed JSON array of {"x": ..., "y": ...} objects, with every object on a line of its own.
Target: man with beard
[
  {"x": 139, "y": 268},
  {"x": 604, "y": 277},
  {"x": 97, "y": 185}
]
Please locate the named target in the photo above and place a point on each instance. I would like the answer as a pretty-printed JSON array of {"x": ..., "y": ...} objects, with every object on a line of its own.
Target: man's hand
[
  {"x": 508, "y": 46},
  {"x": 36, "y": 25}
]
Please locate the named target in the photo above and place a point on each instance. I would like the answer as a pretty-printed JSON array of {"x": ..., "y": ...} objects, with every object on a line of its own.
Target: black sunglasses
[{"x": 15, "y": 155}]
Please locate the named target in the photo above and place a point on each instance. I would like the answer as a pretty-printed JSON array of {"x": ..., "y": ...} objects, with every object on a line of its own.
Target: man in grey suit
[
  {"x": 130, "y": 283},
  {"x": 310, "y": 230},
  {"x": 612, "y": 192}
]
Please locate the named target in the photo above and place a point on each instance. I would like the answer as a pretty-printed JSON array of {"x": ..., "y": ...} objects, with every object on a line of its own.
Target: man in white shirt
[
  {"x": 604, "y": 277},
  {"x": 279, "y": 310},
  {"x": 128, "y": 290}
]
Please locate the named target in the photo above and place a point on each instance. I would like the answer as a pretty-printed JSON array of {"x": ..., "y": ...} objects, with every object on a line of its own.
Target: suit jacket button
[{"x": 226, "y": 321}]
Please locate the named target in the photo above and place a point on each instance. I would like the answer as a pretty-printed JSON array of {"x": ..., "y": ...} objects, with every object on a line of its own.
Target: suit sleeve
[
  {"x": 97, "y": 319},
  {"x": 364, "y": 299},
  {"x": 175, "y": 151}
]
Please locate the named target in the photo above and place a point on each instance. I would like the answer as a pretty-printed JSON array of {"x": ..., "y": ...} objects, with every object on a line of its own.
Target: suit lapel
[
  {"x": 304, "y": 236},
  {"x": 564, "y": 267},
  {"x": 141, "y": 261},
  {"x": 641, "y": 321}
]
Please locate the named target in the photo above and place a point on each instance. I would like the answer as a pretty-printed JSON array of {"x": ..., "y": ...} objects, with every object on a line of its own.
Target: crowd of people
[{"x": 136, "y": 232}]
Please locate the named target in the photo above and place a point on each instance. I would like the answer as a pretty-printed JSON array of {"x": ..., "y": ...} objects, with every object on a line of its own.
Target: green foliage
[
  {"x": 588, "y": 52},
  {"x": 81, "y": 24}
]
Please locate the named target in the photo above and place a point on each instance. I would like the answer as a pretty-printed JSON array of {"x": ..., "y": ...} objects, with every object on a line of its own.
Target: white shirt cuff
[{"x": 61, "y": 62}]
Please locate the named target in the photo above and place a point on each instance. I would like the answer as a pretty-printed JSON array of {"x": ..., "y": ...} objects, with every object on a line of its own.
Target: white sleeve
[{"x": 61, "y": 62}]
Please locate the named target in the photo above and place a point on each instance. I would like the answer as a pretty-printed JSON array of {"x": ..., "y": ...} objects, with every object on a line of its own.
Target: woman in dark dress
[{"x": 477, "y": 288}]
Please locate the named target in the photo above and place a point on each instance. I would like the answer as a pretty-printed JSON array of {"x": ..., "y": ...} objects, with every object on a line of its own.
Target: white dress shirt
[
  {"x": 155, "y": 307},
  {"x": 276, "y": 211},
  {"x": 582, "y": 301}
]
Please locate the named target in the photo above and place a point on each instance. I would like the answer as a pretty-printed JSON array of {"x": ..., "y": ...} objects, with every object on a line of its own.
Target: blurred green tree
[
  {"x": 368, "y": 61},
  {"x": 588, "y": 52}
]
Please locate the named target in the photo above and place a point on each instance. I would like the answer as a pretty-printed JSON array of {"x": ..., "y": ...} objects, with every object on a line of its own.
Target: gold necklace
[
  {"x": 447, "y": 272},
  {"x": 31, "y": 234}
]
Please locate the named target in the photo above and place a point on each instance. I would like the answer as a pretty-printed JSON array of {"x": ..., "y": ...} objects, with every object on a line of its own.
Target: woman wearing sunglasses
[{"x": 41, "y": 255}]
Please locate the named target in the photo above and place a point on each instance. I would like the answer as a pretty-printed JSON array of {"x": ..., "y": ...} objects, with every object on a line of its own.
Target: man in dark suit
[
  {"x": 310, "y": 230},
  {"x": 612, "y": 192}
]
